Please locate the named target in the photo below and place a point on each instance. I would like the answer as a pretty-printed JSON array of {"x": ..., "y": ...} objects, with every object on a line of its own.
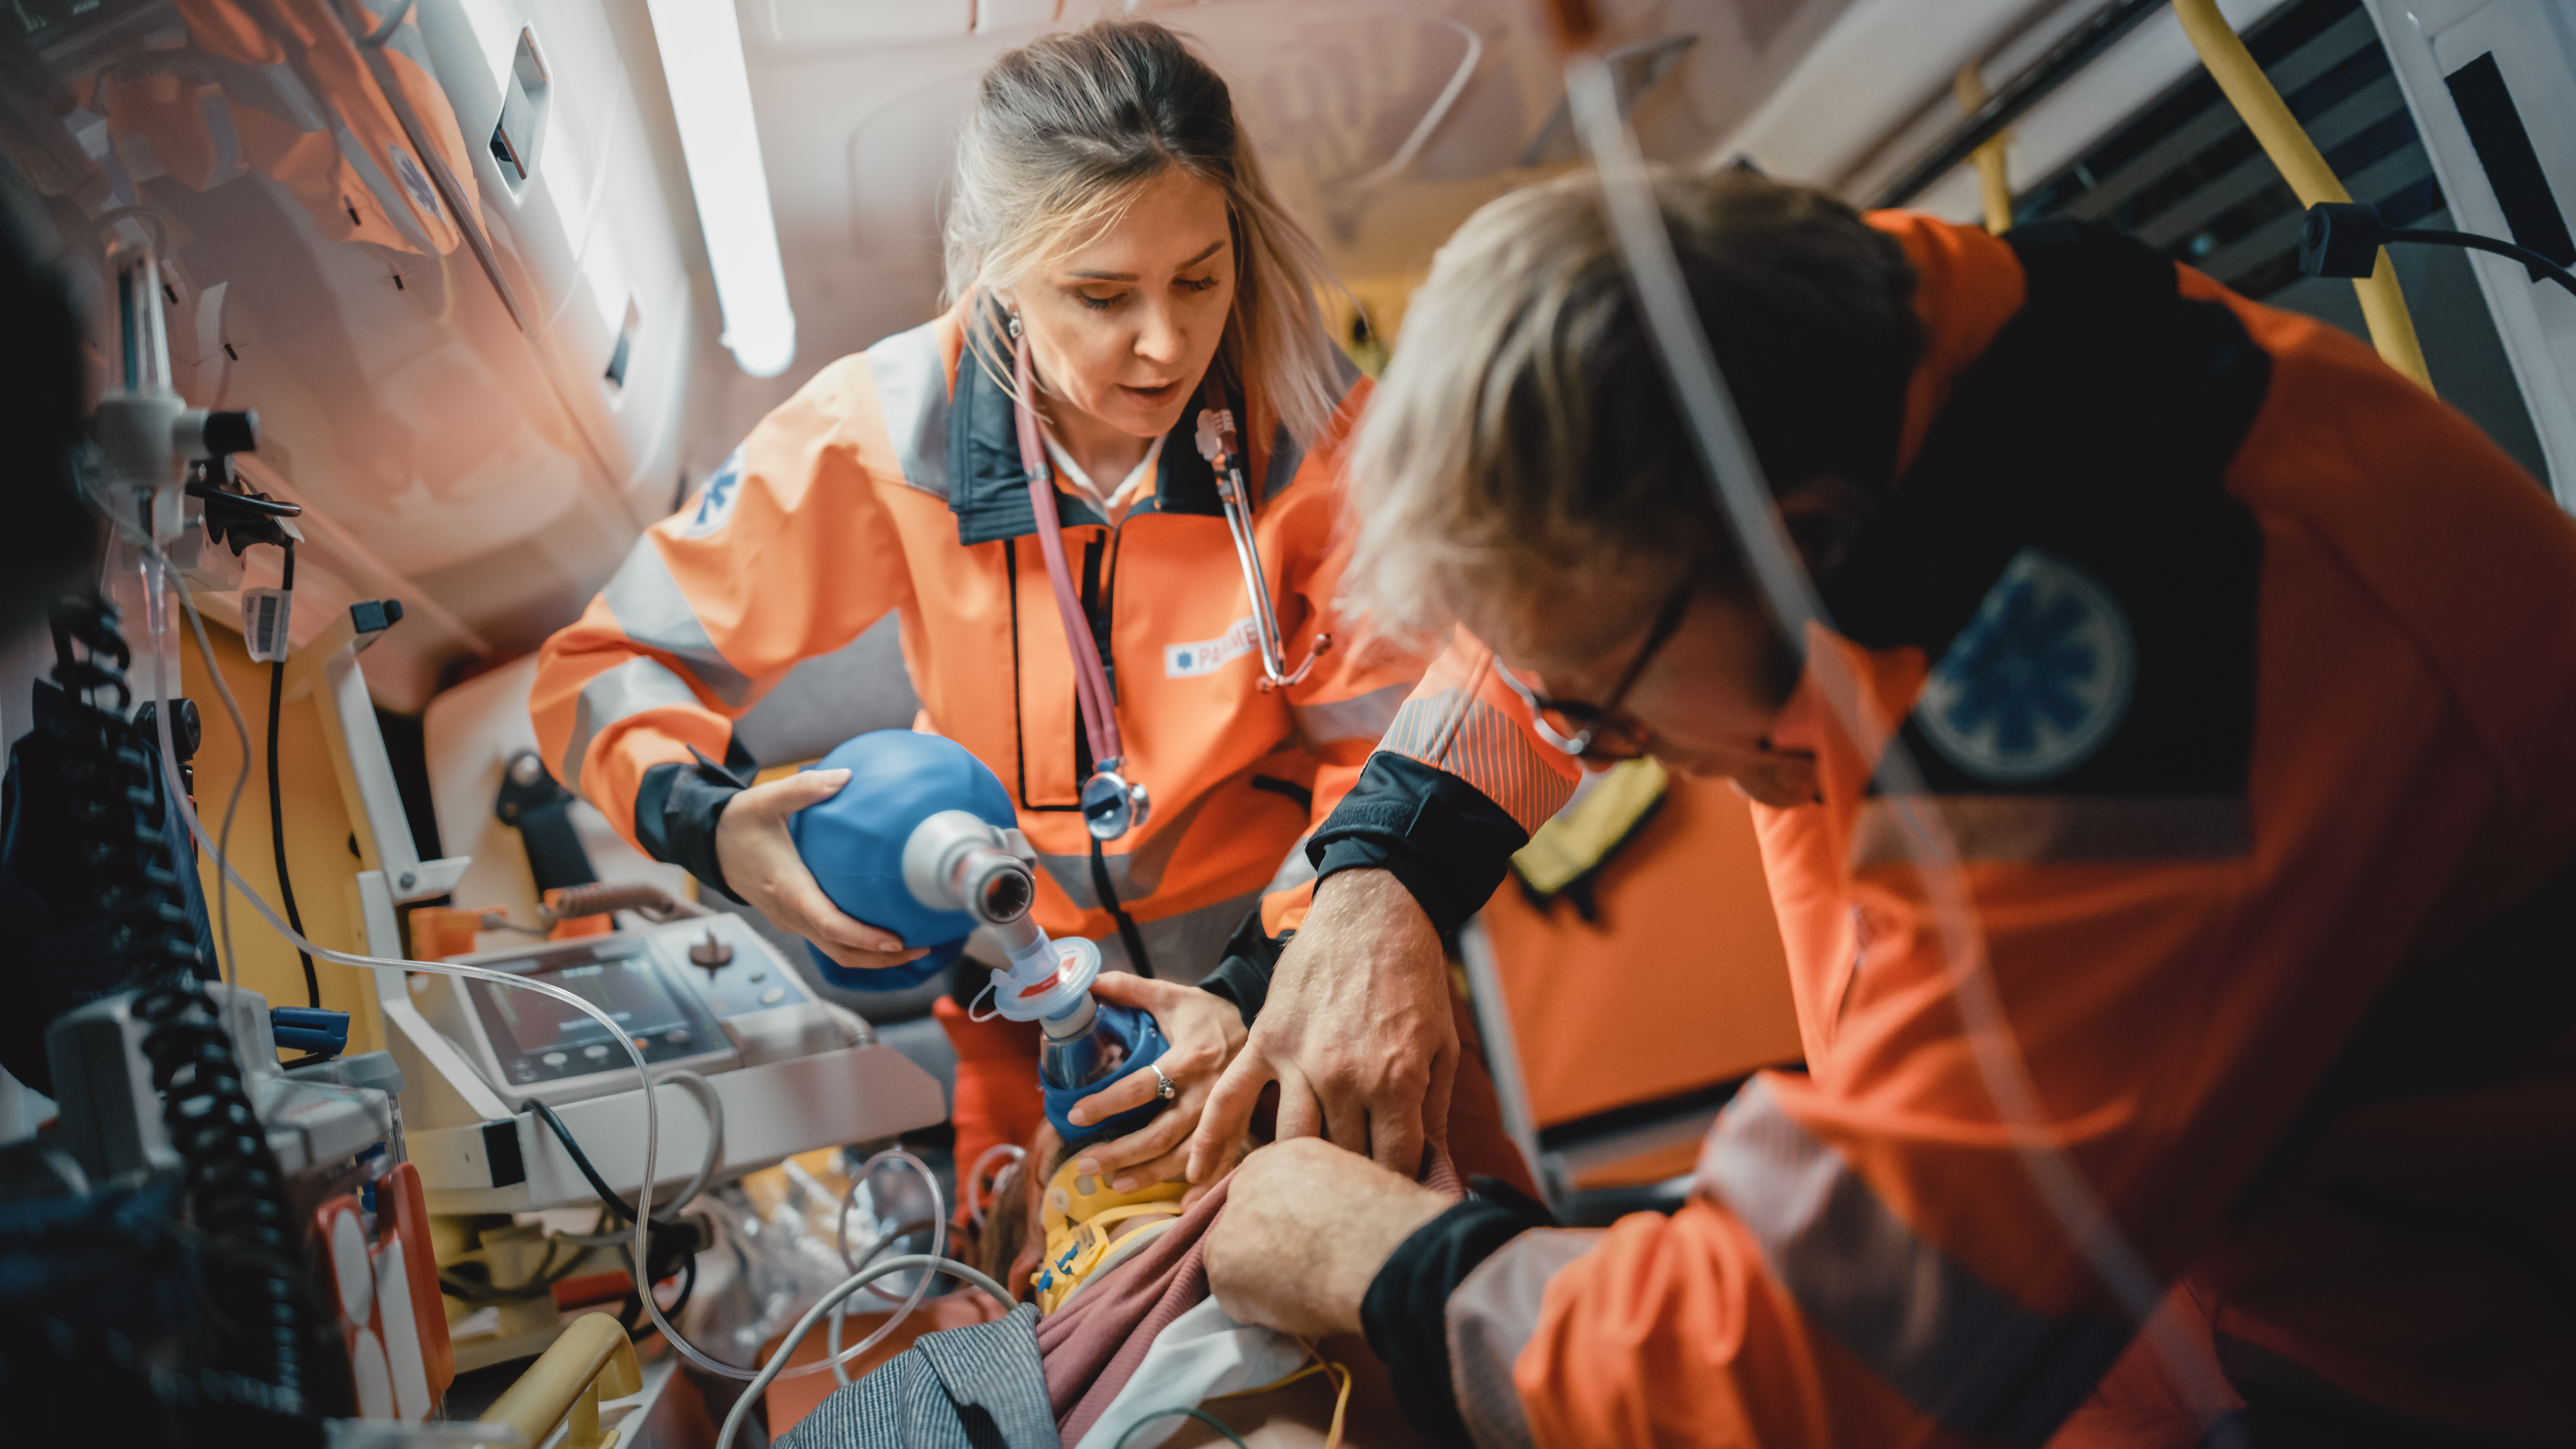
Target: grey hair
[
  {"x": 1066, "y": 130},
  {"x": 1522, "y": 431}
]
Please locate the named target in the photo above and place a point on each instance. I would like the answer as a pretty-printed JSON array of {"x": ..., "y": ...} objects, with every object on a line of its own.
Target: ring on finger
[{"x": 1164, "y": 1089}]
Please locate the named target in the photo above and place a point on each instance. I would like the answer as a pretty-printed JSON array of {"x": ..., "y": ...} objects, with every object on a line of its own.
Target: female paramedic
[
  {"x": 1100, "y": 492},
  {"x": 2241, "y": 672}
]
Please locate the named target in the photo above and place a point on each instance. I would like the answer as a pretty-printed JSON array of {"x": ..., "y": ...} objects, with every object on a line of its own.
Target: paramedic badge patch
[
  {"x": 2038, "y": 680},
  {"x": 716, "y": 500}
]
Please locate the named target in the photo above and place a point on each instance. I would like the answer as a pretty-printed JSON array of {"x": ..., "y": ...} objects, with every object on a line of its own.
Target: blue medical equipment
[{"x": 922, "y": 842}]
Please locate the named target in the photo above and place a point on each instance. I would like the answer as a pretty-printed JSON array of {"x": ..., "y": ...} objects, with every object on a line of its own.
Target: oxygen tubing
[
  {"x": 159, "y": 574},
  {"x": 2260, "y": 107},
  {"x": 1743, "y": 498}
]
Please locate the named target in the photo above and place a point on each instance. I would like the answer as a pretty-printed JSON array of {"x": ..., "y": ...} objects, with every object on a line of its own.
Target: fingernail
[
  {"x": 1088, "y": 1167},
  {"x": 1122, "y": 1184}
]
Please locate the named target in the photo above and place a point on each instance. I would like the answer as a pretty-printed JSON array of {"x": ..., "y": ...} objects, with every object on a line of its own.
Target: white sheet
[{"x": 1201, "y": 1354}]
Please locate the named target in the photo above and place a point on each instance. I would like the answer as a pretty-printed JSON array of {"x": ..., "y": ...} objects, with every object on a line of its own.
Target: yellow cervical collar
[{"x": 1078, "y": 1212}]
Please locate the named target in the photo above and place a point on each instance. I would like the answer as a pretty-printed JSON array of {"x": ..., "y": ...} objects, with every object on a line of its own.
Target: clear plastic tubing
[
  {"x": 157, "y": 577},
  {"x": 1744, "y": 499}
]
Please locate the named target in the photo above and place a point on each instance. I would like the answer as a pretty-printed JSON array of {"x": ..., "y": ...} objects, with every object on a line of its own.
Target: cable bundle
[
  {"x": 236, "y": 1194},
  {"x": 114, "y": 807}
]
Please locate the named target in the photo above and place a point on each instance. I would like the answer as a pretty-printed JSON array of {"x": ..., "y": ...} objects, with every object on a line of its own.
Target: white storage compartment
[{"x": 578, "y": 214}]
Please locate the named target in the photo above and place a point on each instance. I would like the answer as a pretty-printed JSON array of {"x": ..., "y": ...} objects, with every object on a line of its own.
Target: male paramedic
[{"x": 2241, "y": 672}]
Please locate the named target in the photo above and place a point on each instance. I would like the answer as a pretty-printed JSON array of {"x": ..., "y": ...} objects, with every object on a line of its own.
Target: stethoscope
[{"x": 1112, "y": 805}]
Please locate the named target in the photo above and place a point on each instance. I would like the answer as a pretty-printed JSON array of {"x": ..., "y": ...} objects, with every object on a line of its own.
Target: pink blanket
[{"x": 1092, "y": 1346}]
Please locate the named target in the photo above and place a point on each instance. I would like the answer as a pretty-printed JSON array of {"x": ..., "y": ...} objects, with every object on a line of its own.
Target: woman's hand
[
  {"x": 1205, "y": 1031},
  {"x": 761, "y": 865}
]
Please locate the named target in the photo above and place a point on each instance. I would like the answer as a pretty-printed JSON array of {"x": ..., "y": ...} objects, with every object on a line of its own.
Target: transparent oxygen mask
[{"x": 1080, "y": 1048}]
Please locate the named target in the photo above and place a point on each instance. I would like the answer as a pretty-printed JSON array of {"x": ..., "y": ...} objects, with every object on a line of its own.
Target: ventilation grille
[{"x": 2186, "y": 175}]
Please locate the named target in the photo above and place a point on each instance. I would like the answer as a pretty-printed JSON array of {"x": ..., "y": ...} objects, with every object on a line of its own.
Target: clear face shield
[{"x": 1744, "y": 500}]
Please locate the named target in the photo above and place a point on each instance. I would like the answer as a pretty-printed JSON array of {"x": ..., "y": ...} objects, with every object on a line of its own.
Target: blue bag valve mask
[
  {"x": 1117, "y": 1041},
  {"x": 923, "y": 842},
  {"x": 854, "y": 844}
]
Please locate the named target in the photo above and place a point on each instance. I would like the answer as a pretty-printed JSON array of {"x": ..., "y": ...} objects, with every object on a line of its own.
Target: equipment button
[
  {"x": 554, "y": 1059},
  {"x": 773, "y": 996},
  {"x": 595, "y": 1053},
  {"x": 675, "y": 1036}
]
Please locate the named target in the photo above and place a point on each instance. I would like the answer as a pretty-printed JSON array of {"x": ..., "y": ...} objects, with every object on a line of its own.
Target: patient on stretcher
[{"x": 1126, "y": 1327}]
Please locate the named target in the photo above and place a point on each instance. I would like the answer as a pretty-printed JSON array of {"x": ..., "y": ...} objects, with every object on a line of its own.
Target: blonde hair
[
  {"x": 1066, "y": 131},
  {"x": 1523, "y": 431}
]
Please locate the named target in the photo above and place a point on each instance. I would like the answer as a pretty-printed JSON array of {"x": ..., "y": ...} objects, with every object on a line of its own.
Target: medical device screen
[
  {"x": 631, "y": 992},
  {"x": 537, "y": 1038}
]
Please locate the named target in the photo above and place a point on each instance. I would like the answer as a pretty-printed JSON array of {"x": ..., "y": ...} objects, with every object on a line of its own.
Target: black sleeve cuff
[
  {"x": 1406, "y": 1312},
  {"x": 1434, "y": 832},
  {"x": 1251, "y": 955},
  {"x": 676, "y": 810}
]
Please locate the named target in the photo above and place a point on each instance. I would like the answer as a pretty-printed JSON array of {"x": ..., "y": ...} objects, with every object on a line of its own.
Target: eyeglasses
[{"x": 1599, "y": 732}]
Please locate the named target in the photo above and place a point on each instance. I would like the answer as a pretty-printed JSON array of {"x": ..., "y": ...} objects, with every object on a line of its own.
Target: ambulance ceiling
[
  {"x": 491, "y": 462},
  {"x": 859, "y": 102}
]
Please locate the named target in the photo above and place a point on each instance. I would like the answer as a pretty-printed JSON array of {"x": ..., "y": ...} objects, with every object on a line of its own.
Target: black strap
[{"x": 1128, "y": 935}]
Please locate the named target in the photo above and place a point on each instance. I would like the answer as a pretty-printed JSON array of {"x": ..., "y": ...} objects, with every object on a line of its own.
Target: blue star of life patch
[
  {"x": 2038, "y": 681},
  {"x": 716, "y": 500}
]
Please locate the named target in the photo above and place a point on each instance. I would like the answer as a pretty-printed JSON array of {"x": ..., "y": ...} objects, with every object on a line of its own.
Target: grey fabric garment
[{"x": 977, "y": 1387}]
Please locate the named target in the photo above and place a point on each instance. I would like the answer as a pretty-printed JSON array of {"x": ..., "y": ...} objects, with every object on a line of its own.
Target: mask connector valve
[{"x": 956, "y": 861}]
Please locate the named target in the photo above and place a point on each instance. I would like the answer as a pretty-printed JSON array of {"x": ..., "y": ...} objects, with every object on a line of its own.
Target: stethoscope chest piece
[{"x": 1111, "y": 806}]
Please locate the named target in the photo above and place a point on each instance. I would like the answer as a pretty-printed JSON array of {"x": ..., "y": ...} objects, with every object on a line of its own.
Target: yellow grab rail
[
  {"x": 2383, "y": 304},
  {"x": 591, "y": 1361},
  {"x": 1994, "y": 181}
]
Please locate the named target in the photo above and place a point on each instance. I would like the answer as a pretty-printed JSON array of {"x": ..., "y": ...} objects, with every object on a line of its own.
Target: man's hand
[
  {"x": 1205, "y": 1031},
  {"x": 761, "y": 865},
  {"x": 1306, "y": 1228},
  {"x": 1357, "y": 1032}
]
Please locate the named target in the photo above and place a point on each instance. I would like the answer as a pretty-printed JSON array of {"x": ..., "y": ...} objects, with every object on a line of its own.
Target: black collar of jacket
[
  {"x": 2108, "y": 399},
  {"x": 988, "y": 490}
]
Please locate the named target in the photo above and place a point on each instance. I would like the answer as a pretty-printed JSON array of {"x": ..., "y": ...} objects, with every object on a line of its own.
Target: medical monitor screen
[
  {"x": 630, "y": 991},
  {"x": 538, "y": 1038}
]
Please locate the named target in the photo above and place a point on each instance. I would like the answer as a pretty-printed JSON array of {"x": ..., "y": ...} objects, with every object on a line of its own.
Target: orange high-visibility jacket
[
  {"x": 892, "y": 482},
  {"x": 2243, "y": 674}
]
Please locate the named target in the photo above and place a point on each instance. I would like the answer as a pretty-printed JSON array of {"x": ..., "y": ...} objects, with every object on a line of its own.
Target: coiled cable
[
  {"x": 236, "y": 1193},
  {"x": 160, "y": 577},
  {"x": 116, "y": 821},
  {"x": 235, "y": 1189}
]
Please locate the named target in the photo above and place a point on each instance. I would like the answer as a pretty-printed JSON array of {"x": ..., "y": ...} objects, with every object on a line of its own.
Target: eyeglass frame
[{"x": 1584, "y": 743}]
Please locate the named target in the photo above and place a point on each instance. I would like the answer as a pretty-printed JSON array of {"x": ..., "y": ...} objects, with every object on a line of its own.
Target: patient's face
[
  {"x": 1014, "y": 1228},
  {"x": 1014, "y": 1238}
]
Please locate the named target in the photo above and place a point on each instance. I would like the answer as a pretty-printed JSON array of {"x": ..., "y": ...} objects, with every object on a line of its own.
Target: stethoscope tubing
[{"x": 1098, "y": 707}]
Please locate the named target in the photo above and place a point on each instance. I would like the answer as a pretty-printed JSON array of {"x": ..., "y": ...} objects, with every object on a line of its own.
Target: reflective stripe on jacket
[
  {"x": 2243, "y": 673},
  {"x": 891, "y": 482}
]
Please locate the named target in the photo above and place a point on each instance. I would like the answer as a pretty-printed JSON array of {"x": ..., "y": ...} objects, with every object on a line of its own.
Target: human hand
[
  {"x": 1205, "y": 1031},
  {"x": 761, "y": 865},
  {"x": 1306, "y": 1228},
  {"x": 1356, "y": 1031}
]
